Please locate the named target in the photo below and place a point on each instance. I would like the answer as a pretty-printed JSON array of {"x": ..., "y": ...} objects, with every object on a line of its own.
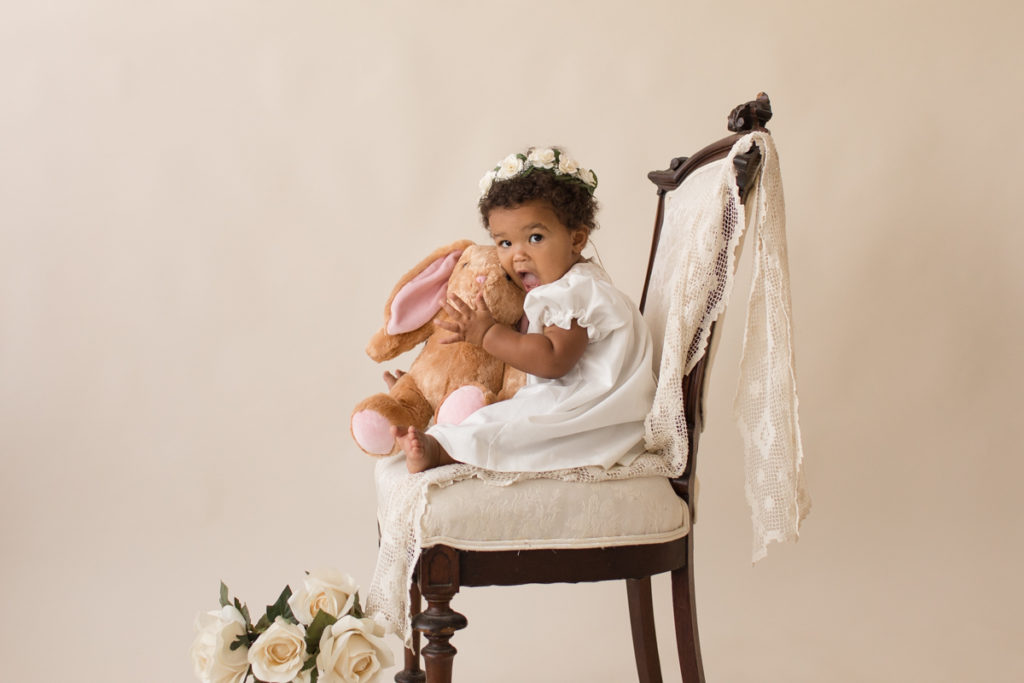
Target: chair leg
[
  {"x": 645, "y": 640},
  {"x": 412, "y": 672},
  {"x": 685, "y": 611},
  {"x": 439, "y": 582}
]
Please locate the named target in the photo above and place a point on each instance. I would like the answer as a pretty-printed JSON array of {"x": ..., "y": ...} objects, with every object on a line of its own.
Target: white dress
[{"x": 594, "y": 414}]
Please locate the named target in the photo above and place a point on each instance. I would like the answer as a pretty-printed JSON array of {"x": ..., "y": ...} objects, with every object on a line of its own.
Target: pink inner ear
[{"x": 418, "y": 302}]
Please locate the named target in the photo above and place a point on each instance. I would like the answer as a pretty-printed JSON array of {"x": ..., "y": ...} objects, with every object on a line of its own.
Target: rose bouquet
[{"x": 316, "y": 635}]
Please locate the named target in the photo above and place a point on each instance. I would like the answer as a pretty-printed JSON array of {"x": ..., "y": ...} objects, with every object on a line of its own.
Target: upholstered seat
[{"x": 548, "y": 513}]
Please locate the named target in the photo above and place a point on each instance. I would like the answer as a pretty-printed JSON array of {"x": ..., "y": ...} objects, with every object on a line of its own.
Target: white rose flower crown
[
  {"x": 548, "y": 158},
  {"x": 317, "y": 635}
]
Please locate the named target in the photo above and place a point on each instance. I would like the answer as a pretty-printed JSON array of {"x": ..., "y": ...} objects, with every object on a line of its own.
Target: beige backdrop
[{"x": 203, "y": 205}]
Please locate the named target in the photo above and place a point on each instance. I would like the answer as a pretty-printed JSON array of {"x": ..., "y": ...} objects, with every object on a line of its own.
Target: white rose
[
  {"x": 487, "y": 181},
  {"x": 212, "y": 657},
  {"x": 587, "y": 176},
  {"x": 279, "y": 653},
  {"x": 303, "y": 676},
  {"x": 509, "y": 166},
  {"x": 352, "y": 651},
  {"x": 567, "y": 165},
  {"x": 542, "y": 158},
  {"x": 323, "y": 589}
]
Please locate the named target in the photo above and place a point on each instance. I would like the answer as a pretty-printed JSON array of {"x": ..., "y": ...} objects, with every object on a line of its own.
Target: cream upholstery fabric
[{"x": 548, "y": 513}]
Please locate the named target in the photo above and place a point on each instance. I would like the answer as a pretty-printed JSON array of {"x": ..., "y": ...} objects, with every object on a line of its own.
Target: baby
[{"x": 587, "y": 352}]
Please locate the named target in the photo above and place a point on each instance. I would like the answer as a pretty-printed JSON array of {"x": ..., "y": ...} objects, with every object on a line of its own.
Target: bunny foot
[
  {"x": 460, "y": 404},
  {"x": 372, "y": 431}
]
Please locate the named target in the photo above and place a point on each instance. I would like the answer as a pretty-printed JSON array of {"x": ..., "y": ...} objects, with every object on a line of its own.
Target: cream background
[{"x": 204, "y": 204}]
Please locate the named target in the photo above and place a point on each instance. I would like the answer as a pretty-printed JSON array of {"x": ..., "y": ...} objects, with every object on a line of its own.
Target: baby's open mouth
[{"x": 529, "y": 280}]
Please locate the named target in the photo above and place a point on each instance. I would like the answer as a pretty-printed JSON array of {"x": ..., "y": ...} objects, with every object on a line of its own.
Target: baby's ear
[{"x": 580, "y": 236}]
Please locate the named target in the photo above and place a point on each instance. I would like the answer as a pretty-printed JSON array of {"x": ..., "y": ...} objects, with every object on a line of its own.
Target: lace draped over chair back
[{"x": 689, "y": 289}]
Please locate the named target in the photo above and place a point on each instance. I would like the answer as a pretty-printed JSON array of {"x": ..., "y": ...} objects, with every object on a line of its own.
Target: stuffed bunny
[{"x": 446, "y": 381}]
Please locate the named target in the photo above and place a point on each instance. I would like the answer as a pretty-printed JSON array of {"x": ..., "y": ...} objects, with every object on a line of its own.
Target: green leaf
[
  {"x": 281, "y": 608},
  {"x": 244, "y": 610},
  {"x": 224, "y": 602},
  {"x": 357, "y": 610},
  {"x": 314, "y": 676},
  {"x": 310, "y": 663},
  {"x": 316, "y": 629},
  {"x": 238, "y": 642},
  {"x": 262, "y": 625}
]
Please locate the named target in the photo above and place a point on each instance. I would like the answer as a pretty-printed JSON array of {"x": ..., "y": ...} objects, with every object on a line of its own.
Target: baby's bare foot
[{"x": 422, "y": 451}]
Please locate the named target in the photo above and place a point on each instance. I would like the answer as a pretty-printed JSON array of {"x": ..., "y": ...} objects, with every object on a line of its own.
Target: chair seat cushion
[{"x": 546, "y": 513}]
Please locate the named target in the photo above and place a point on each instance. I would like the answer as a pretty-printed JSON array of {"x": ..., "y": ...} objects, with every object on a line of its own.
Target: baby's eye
[
  {"x": 536, "y": 237},
  {"x": 504, "y": 244}
]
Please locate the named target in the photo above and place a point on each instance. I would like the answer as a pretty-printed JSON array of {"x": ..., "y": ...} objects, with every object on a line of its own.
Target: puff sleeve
[{"x": 592, "y": 301}]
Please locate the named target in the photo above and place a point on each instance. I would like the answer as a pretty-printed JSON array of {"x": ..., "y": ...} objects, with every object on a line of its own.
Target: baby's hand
[{"x": 469, "y": 323}]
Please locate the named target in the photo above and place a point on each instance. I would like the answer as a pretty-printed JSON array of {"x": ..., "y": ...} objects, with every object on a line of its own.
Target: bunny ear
[
  {"x": 418, "y": 302},
  {"x": 417, "y": 298}
]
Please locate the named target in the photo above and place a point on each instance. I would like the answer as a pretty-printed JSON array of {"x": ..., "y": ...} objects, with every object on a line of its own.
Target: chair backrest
[{"x": 743, "y": 119}]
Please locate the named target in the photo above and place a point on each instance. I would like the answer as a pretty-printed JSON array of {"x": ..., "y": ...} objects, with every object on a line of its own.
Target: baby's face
[{"x": 534, "y": 247}]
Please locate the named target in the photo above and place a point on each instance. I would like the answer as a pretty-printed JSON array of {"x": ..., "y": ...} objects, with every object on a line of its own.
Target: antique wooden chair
[{"x": 449, "y": 562}]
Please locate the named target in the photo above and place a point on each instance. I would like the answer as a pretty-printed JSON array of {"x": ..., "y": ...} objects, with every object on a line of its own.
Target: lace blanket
[{"x": 698, "y": 284}]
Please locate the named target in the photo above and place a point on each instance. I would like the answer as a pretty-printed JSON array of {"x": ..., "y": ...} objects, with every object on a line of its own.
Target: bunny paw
[
  {"x": 460, "y": 404},
  {"x": 372, "y": 432}
]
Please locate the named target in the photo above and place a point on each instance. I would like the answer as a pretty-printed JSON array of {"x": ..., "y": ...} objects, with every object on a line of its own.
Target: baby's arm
[{"x": 549, "y": 355}]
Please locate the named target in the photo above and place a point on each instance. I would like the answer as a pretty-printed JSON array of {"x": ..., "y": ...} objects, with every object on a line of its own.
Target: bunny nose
[{"x": 481, "y": 279}]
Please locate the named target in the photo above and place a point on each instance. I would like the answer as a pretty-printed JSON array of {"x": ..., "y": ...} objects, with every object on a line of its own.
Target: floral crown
[{"x": 548, "y": 158}]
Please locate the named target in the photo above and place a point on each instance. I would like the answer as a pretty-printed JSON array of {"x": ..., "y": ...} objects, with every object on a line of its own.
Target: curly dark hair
[{"x": 571, "y": 200}]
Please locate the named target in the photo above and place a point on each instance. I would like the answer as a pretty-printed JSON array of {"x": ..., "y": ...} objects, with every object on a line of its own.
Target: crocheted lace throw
[
  {"x": 702, "y": 233},
  {"x": 693, "y": 277}
]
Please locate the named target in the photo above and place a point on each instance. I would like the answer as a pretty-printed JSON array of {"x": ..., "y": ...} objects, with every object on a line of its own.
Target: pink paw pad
[
  {"x": 460, "y": 404},
  {"x": 372, "y": 432}
]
